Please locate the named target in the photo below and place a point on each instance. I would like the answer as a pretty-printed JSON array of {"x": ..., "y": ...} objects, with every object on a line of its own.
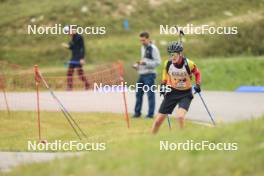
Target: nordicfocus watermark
[
  {"x": 58, "y": 145},
  {"x": 190, "y": 145},
  {"x": 198, "y": 30},
  {"x": 58, "y": 29},
  {"x": 130, "y": 88}
]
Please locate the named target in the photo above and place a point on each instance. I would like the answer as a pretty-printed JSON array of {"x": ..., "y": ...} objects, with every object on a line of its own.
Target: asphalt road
[
  {"x": 225, "y": 106},
  {"x": 12, "y": 159}
]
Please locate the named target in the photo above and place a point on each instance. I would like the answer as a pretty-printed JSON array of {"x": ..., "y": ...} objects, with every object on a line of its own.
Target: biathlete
[{"x": 177, "y": 78}]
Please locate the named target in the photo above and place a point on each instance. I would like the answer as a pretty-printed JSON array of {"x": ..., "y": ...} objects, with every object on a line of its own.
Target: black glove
[
  {"x": 197, "y": 88},
  {"x": 162, "y": 89}
]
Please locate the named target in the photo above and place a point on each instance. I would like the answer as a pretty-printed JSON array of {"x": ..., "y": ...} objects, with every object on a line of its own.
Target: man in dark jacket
[{"x": 76, "y": 45}]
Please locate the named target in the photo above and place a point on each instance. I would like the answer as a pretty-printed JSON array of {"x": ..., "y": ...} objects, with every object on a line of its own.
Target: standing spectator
[
  {"x": 150, "y": 59},
  {"x": 76, "y": 45}
]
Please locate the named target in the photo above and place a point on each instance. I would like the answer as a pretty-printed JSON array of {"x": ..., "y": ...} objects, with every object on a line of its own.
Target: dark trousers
[
  {"x": 147, "y": 80},
  {"x": 80, "y": 73}
]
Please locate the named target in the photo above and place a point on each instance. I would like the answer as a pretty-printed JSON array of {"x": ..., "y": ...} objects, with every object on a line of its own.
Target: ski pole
[
  {"x": 69, "y": 115},
  {"x": 169, "y": 122},
  {"x": 181, "y": 34},
  {"x": 206, "y": 108},
  {"x": 63, "y": 109}
]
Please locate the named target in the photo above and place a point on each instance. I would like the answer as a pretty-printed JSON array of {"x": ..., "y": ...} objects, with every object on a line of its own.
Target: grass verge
[{"x": 135, "y": 151}]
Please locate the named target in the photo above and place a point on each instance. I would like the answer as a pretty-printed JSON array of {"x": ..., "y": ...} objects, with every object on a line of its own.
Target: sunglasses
[{"x": 174, "y": 54}]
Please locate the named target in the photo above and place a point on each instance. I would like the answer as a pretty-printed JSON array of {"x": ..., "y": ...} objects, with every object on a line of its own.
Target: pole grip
[
  {"x": 36, "y": 73},
  {"x": 120, "y": 70}
]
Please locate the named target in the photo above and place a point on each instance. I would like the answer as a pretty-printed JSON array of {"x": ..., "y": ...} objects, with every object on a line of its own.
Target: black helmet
[{"x": 175, "y": 47}]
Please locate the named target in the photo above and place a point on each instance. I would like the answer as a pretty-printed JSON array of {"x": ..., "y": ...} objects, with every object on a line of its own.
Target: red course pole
[
  {"x": 120, "y": 71},
  {"x": 7, "y": 106},
  {"x": 2, "y": 85},
  {"x": 37, "y": 81}
]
